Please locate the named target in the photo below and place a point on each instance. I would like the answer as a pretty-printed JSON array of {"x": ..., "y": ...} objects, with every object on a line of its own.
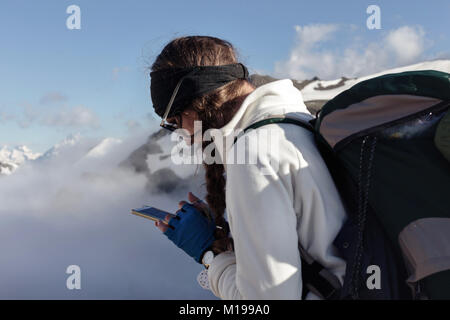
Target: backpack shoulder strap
[
  {"x": 308, "y": 125},
  {"x": 315, "y": 277}
]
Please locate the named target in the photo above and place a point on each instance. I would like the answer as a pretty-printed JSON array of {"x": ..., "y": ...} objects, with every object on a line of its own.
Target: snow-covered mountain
[
  {"x": 68, "y": 142},
  {"x": 326, "y": 90},
  {"x": 317, "y": 92},
  {"x": 153, "y": 159},
  {"x": 103, "y": 148},
  {"x": 11, "y": 159},
  {"x": 74, "y": 150},
  {"x": 77, "y": 149}
]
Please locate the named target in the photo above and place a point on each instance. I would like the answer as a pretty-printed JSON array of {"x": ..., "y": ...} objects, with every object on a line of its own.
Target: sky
[{"x": 94, "y": 81}]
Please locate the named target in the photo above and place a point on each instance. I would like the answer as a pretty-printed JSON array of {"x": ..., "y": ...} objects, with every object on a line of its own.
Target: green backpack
[{"x": 386, "y": 142}]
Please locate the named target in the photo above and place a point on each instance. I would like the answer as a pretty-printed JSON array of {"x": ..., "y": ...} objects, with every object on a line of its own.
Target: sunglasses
[{"x": 167, "y": 125}]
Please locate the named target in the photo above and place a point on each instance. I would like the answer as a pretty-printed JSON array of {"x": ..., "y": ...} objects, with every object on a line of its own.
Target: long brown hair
[{"x": 214, "y": 109}]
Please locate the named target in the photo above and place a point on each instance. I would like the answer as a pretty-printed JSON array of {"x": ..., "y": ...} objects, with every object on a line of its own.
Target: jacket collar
[{"x": 275, "y": 98}]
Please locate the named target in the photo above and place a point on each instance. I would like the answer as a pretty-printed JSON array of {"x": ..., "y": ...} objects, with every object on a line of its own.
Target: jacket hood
[{"x": 275, "y": 98}]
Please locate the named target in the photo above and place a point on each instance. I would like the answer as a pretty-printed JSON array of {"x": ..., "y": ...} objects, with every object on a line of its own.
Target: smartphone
[{"x": 152, "y": 213}]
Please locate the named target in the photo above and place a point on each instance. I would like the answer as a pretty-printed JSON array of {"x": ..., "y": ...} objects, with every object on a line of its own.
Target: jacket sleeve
[{"x": 266, "y": 261}]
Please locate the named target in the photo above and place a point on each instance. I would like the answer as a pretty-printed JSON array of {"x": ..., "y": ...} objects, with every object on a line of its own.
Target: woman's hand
[
  {"x": 191, "y": 229},
  {"x": 196, "y": 202}
]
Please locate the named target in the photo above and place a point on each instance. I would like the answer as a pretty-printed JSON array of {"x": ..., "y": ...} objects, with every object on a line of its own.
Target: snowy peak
[
  {"x": 72, "y": 149},
  {"x": 104, "y": 147},
  {"x": 69, "y": 141},
  {"x": 11, "y": 159},
  {"x": 18, "y": 154}
]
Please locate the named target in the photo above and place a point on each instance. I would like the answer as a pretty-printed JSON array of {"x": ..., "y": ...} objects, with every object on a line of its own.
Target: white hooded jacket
[{"x": 287, "y": 197}]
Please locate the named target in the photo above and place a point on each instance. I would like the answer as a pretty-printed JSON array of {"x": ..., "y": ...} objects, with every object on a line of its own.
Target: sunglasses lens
[{"x": 169, "y": 127}]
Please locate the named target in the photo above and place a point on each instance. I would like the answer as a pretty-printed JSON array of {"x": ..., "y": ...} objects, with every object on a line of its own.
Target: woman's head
[
  {"x": 217, "y": 104},
  {"x": 214, "y": 108}
]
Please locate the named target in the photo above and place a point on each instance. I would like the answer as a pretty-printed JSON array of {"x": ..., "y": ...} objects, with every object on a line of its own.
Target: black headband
[{"x": 198, "y": 80}]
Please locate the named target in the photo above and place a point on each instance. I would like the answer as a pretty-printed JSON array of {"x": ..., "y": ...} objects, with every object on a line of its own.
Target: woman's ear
[{"x": 188, "y": 118}]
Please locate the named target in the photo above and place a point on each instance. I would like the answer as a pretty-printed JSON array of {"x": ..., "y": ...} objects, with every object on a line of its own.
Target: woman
[{"x": 272, "y": 207}]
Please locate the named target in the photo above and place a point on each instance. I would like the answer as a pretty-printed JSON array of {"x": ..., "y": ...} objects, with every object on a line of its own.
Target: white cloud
[
  {"x": 118, "y": 70},
  {"x": 312, "y": 34},
  {"x": 305, "y": 59},
  {"x": 75, "y": 209},
  {"x": 79, "y": 116},
  {"x": 407, "y": 43},
  {"x": 53, "y": 97},
  {"x": 29, "y": 116},
  {"x": 133, "y": 125},
  {"x": 6, "y": 117},
  {"x": 53, "y": 115},
  {"x": 312, "y": 54}
]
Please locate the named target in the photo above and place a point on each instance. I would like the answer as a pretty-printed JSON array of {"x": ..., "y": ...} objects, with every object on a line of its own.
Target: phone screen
[{"x": 151, "y": 213}]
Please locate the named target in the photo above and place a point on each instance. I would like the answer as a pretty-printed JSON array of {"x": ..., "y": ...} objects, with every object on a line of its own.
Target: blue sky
[{"x": 56, "y": 81}]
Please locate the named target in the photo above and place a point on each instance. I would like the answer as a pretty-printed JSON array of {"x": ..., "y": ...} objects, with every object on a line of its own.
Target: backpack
[{"x": 386, "y": 143}]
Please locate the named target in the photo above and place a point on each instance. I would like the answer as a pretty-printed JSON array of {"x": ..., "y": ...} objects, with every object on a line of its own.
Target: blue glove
[{"x": 193, "y": 232}]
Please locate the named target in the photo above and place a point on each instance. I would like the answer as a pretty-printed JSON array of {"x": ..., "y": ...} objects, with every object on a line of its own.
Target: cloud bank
[
  {"x": 73, "y": 209},
  {"x": 312, "y": 54}
]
